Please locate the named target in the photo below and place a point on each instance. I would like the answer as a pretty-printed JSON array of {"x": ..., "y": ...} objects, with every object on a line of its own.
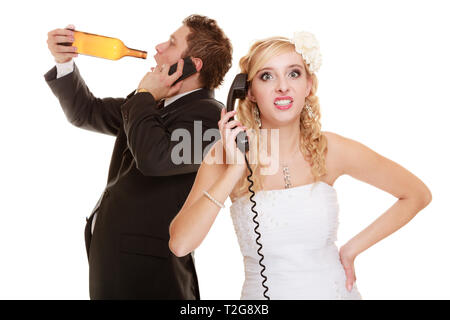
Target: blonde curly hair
[{"x": 313, "y": 144}]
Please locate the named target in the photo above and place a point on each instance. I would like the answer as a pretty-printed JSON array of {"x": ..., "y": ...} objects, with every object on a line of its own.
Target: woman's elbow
[
  {"x": 176, "y": 248},
  {"x": 174, "y": 244},
  {"x": 425, "y": 197}
]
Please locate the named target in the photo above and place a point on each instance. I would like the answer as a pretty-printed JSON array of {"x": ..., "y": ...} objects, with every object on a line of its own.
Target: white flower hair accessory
[{"x": 307, "y": 45}]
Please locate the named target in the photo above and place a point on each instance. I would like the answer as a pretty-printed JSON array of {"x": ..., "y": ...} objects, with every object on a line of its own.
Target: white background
[{"x": 383, "y": 82}]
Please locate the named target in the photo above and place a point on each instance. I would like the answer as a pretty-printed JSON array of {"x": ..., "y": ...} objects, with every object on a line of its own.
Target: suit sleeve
[
  {"x": 151, "y": 143},
  {"x": 81, "y": 108}
]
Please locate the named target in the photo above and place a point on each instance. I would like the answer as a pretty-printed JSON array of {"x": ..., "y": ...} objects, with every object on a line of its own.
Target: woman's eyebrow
[{"x": 288, "y": 67}]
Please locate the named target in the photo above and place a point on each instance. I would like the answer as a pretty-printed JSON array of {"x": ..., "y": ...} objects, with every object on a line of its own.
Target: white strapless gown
[{"x": 298, "y": 228}]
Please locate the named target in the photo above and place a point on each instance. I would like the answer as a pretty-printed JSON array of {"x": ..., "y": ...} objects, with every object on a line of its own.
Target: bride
[{"x": 295, "y": 199}]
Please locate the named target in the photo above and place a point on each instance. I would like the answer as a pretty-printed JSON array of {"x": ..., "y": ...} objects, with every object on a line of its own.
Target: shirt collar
[{"x": 168, "y": 101}]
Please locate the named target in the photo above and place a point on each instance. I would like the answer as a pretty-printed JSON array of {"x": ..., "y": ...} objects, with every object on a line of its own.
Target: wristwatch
[{"x": 142, "y": 90}]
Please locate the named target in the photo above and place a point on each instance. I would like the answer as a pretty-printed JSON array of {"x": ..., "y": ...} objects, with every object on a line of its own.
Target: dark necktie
[{"x": 160, "y": 104}]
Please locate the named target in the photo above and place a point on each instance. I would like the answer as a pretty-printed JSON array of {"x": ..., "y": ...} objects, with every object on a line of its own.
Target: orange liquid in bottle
[{"x": 104, "y": 47}]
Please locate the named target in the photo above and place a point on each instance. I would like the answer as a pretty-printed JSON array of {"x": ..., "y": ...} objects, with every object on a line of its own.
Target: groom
[{"x": 127, "y": 233}]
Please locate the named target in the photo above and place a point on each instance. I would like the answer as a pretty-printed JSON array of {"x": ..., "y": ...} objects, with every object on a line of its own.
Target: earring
[
  {"x": 257, "y": 117},
  {"x": 309, "y": 109}
]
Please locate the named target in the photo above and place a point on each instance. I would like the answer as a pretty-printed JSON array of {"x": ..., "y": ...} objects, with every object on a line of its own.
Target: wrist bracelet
[{"x": 212, "y": 199}]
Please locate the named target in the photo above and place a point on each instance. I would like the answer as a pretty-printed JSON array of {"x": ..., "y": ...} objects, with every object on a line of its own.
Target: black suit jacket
[{"x": 128, "y": 252}]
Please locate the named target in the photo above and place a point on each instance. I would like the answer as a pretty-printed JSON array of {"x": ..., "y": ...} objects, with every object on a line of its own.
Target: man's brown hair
[{"x": 209, "y": 43}]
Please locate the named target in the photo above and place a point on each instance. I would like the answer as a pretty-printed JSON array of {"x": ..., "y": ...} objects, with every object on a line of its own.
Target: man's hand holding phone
[{"x": 159, "y": 83}]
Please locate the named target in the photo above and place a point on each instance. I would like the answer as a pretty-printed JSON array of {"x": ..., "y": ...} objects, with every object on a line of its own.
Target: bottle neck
[{"x": 135, "y": 53}]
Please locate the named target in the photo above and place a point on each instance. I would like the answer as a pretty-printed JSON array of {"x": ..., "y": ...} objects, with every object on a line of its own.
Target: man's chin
[{"x": 160, "y": 62}]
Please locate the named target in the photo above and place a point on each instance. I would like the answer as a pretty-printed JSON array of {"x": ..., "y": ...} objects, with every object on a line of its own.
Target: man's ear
[{"x": 198, "y": 63}]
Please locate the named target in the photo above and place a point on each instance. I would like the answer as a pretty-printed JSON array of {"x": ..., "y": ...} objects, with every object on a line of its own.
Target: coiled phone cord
[{"x": 256, "y": 228}]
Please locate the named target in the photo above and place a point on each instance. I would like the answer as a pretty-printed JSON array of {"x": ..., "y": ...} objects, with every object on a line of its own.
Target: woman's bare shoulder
[{"x": 333, "y": 162}]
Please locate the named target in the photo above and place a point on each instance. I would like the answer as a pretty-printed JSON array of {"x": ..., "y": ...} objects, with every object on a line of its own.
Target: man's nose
[{"x": 161, "y": 47}]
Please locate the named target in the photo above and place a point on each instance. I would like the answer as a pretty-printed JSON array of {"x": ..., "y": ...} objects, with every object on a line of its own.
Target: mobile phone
[{"x": 188, "y": 69}]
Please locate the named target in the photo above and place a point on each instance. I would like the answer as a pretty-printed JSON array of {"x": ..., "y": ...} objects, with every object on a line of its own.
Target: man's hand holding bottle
[{"x": 60, "y": 52}]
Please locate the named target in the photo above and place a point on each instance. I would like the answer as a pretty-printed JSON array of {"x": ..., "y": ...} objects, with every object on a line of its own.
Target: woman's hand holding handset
[{"x": 235, "y": 159}]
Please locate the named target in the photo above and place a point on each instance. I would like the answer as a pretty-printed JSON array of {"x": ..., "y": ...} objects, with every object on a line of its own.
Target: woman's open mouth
[{"x": 283, "y": 103}]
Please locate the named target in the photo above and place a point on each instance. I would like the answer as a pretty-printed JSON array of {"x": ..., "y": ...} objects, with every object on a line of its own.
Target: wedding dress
[{"x": 298, "y": 228}]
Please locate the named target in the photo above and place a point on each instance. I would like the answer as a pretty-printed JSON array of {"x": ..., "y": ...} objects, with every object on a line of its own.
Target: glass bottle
[{"x": 103, "y": 47}]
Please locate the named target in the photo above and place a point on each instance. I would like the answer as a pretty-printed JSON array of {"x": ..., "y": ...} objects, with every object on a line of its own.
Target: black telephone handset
[
  {"x": 238, "y": 90},
  {"x": 188, "y": 69}
]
